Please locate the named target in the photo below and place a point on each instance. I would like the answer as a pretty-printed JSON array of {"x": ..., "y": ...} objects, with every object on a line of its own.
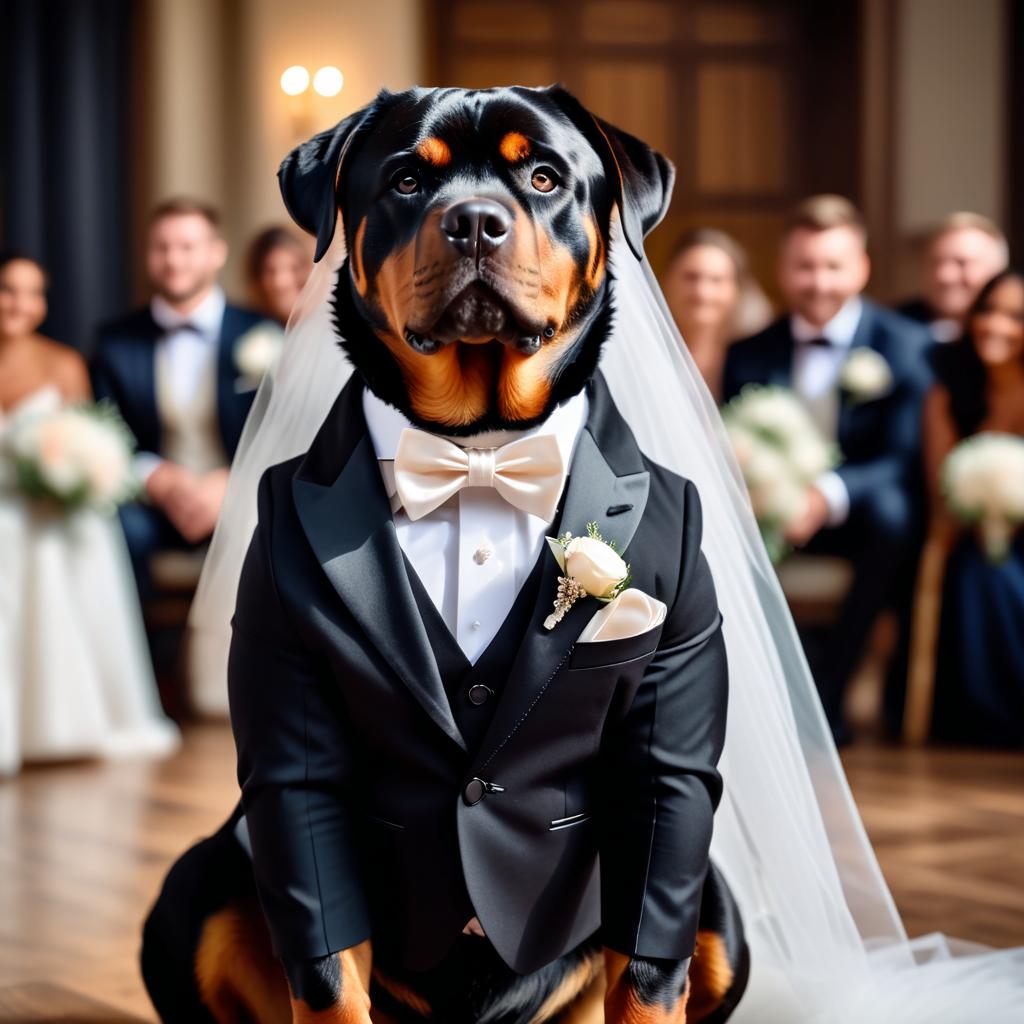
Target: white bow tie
[{"x": 528, "y": 473}]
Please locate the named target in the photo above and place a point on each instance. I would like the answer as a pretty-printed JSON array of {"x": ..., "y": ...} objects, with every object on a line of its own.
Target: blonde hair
[
  {"x": 823, "y": 212},
  {"x": 965, "y": 220}
]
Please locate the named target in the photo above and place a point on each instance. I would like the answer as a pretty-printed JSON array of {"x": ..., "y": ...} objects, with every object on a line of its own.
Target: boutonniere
[
  {"x": 591, "y": 567},
  {"x": 256, "y": 353},
  {"x": 866, "y": 375}
]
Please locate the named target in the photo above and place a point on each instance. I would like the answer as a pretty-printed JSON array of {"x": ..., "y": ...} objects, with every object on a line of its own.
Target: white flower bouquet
[
  {"x": 257, "y": 352},
  {"x": 983, "y": 485},
  {"x": 781, "y": 453},
  {"x": 75, "y": 457}
]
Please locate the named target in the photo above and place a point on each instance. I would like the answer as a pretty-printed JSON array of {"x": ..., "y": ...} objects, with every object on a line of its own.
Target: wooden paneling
[
  {"x": 635, "y": 95},
  {"x": 503, "y": 22},
  {"x": 641, "y": 22},
  {"x": 736, "y": 24},
  {"x": 741, "y": 129},
  {"x": 472, "y": 72}
]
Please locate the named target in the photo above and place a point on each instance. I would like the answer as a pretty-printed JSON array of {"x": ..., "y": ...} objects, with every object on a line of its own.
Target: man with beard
[
  {"x": 861, "y": 371},
  {"x": 170, "y": 368}
]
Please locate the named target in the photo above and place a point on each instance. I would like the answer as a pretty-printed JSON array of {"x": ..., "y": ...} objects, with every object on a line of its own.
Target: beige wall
[{"x": 215, "y": 122}]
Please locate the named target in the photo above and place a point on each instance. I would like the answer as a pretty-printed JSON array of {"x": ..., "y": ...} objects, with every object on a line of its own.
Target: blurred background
[{"x": 131, "y": 127}]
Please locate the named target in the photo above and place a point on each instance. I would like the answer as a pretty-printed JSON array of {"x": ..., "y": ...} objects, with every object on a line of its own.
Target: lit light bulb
[
  {"x": 328, "y": 81},
  {"x": 295, "y": 80}
]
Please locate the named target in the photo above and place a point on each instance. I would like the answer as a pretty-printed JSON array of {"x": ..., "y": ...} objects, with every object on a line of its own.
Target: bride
[{"x": 75, "y": 675}]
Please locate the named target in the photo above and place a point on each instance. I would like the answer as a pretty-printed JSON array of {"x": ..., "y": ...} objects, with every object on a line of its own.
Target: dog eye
[
  {"x": 544, "y": 179},
  {"x": 405, "y": 182}
]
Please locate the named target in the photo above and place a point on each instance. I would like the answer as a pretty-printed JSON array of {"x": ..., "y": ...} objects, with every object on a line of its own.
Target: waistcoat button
[
  {"x": 474, "y": 791},
  {"x": 478, "y": 693}
]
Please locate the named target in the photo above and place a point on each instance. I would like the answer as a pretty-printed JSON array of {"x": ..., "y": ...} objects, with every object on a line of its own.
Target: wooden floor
[{"x": 83, "y": 849}]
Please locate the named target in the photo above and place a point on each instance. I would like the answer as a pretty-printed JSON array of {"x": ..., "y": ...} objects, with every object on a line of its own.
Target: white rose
[
  {"x": 258, "y": 350},
  {"x": 866, "y": 375},
  {"x": 594, "y": 565}
]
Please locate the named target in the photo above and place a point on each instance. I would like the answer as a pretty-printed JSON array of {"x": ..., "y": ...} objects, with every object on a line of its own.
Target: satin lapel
[
  {"x": 592, "y": 487},
  {"x": 780, "y": 368},
  {"x": 350, "y": 527},
  {"x": 144, "y": 384}
]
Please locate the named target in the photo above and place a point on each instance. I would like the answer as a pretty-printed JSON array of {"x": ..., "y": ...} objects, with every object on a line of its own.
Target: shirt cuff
[
  {"x": 144, "y": 463},
  {"x": 837, "y": 497}
]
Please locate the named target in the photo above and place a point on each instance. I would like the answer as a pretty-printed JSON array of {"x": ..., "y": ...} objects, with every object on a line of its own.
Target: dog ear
[
  {"x": 641, "y": 178},
  {"x": 310, "y": 175}
]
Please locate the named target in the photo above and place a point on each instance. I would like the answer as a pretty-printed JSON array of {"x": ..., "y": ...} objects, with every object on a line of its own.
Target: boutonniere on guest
[
  {"x": 865, "y": 375},
  {"x": 591, "y": 567},
  {"x": 257, "y": 352}
]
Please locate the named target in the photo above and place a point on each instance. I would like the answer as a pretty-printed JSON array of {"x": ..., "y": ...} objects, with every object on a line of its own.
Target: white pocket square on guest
[{"x": 629, "y": 614}]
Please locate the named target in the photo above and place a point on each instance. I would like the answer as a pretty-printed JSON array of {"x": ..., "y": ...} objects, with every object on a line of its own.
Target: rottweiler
[{"x": 475, "y": 296}]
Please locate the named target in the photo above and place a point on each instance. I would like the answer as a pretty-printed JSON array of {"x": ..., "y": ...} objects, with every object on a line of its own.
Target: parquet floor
[{"x": 83, "y": 849}]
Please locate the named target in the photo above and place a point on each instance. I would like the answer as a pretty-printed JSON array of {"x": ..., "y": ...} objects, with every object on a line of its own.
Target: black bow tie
[
  {"x": 819, "y": 342},
  {"x": 186, "y": 326}
]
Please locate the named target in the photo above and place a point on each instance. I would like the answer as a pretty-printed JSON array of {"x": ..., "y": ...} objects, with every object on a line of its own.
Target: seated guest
[
  {"x": 714, "y": 298},
  {"x": 277, "y": 265},
  {"x": 869, "y": 404},
  {"x": 171, "y": 368},
  {"x": 963, "y": 252},
  {"x": 74, "y": 678},
  {"x": 979, "y": 659}
]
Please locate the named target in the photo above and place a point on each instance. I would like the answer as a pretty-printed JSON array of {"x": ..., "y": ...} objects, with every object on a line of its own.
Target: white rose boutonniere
[
  {"x": 866, "y": 375},
  {"x": 257, "y": 352},
  {"x": 591, "y": 567}
]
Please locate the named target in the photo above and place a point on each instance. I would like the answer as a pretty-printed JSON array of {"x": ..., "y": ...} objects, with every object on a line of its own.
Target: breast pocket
[{"x": 597, "y": 654}]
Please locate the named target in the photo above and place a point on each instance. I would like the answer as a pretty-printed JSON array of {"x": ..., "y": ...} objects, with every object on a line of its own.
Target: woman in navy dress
[{"x": 979, "y": 658}]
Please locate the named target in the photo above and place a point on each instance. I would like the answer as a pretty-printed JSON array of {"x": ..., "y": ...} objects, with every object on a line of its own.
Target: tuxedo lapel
[
  {"x": 606, "y": 473},
  {"x": 862, "y": 338},
  {"x": 350, "y": 527}
]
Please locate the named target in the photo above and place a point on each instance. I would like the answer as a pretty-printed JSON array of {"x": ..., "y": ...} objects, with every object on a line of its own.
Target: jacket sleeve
[
  {"x": 661, "y": 776},
  {"x": 295, "y": 762}
]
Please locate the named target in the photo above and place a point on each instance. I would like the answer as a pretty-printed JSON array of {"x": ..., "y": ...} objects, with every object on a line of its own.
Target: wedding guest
[
  {"x": 277, "y": 264},
  {"x": 171, "y": 369},
  {"x": 862, "y": 371},
  {"x": 714, "y": 298},
  {"x": 979, "y": 661},
  {"x": 961, "y": 254},
  {"x": 74, "y": 677}
]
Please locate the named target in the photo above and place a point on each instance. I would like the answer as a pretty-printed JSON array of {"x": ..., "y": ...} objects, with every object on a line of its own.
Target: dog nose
[{"x": 475, "y": 227}]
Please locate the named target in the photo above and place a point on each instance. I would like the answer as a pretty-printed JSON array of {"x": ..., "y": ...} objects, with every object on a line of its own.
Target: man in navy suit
[
  {"x": 867, "y": 509},
  {"x": 170, "y": 368}
]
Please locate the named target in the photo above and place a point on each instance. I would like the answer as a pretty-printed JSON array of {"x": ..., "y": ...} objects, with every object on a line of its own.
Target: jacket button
[
  {"x": 474, "y": 791},
  {"x": 478, "y": 693}
]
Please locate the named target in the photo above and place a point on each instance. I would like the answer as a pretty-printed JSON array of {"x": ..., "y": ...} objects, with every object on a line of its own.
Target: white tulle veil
[{"x": 827, "y": 943}]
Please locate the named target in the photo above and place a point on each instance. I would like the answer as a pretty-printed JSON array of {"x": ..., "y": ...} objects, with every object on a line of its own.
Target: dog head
[{"x": 475, "y": 292}]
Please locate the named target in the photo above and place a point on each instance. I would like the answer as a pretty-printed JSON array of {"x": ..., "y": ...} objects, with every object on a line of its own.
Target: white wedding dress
[{"x": 75, "y": 674}]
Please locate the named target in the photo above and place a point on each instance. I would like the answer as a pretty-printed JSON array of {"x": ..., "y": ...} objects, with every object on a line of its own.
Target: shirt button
[
  {"x": 475, "y": 624},
  {"x": 482, "y": 553},
  {"x": 479, "y": 694}
]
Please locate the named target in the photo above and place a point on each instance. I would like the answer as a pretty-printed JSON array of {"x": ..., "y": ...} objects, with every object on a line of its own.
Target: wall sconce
[{"x": 295, "y": 83}]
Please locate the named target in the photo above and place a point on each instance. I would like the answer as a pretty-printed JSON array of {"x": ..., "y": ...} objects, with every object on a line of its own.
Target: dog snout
[{"x": 477, "y": 226}]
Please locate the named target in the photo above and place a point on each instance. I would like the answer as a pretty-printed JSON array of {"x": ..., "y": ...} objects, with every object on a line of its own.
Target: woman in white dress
[{"x": 75, "y": 675}]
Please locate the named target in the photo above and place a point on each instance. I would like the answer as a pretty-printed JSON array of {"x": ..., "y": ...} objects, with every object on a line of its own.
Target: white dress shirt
[
  {"x": 474, "y": 552},
  {"x": 816, "y": 372},
  {"x": 188, "y": 353}
]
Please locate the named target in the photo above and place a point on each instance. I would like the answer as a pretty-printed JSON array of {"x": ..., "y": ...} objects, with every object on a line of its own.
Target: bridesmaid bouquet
[
  {"x": 983, "y": 484},
  {"x": 79, "y": 456},
  {"x": 781, "y": 452}
]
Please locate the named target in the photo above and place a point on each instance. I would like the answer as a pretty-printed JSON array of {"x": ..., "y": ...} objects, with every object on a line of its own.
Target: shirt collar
[
  {"x": 839, "y": 330},
  {"x": 206, "y": 317},
  {"x": 385, "y": 425}
]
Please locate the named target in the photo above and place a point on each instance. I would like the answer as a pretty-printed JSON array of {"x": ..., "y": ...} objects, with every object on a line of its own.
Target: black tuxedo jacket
[
  {"x": 880, "y": 439},
  {"x": 353, "y": 769},
  {"x": 123, "y": 370}
]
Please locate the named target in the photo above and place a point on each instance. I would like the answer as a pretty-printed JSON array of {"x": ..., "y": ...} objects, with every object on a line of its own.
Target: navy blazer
[
  {"x": 880, "y": 439},
  {"x": 123, "y": 370}
]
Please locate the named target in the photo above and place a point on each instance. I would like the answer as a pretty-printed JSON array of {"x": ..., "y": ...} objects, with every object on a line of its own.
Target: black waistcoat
[{"x": 472, "y": 690}]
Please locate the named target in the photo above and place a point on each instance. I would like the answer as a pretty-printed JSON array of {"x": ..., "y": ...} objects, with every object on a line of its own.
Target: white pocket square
[{"x": 631, "y": 613}]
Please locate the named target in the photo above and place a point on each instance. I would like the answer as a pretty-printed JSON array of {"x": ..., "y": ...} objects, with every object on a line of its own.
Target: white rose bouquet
[
  {"x": 257, "y": 352},
  {"x": 75, "y": 457},
  {"x": 983, "y": 485},
  {"x": 781, "y": 453}
]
